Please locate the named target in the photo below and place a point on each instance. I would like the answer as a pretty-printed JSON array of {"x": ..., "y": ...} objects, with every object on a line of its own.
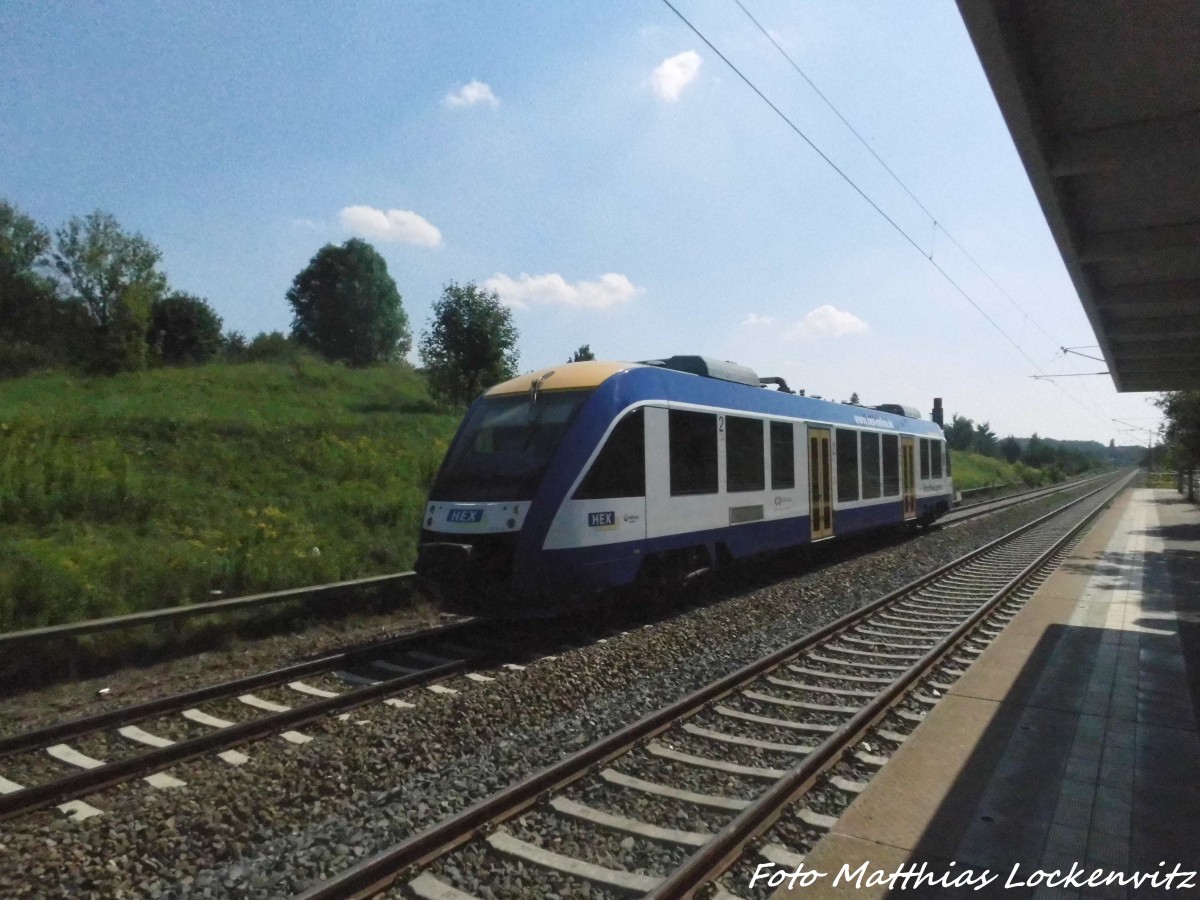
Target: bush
[
  {"x": 19, "y": 358},
  {"x": 272, "y": 346},
  {"x": 184, "y": 329}
]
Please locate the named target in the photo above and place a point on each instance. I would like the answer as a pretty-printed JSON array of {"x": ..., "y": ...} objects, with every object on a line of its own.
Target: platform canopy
[{"x": 1102, "y": 98}]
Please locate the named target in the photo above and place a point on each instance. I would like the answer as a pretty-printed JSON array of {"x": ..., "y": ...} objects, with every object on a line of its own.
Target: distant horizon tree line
[
  {"x": 1067, "y": 457},
  {"x": 92, "y": 297}
]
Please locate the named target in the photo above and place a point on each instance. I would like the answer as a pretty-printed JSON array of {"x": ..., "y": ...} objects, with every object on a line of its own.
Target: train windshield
[{"x": 505, "y": 445}]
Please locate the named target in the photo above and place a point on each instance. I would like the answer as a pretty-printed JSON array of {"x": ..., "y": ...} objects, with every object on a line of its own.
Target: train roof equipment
[
  {"x": 899, "y": 409},
  {"x": 592, "y": 373},
  {"x": 708, "y": 367}
]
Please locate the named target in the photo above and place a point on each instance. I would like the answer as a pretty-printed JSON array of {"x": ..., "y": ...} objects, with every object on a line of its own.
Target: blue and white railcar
[{"x": 592, "y": 475}]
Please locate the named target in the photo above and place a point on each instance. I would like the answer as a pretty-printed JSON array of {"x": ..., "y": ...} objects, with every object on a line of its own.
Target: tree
[
  {"x": 1181, "y": 432},
  {"x": 984, "y": 440},
  {"x": 113, "y": 276},
  {"x": 233, "y": 347},
  {"x": 959, "y": 433},
  {"x": 184, "y": 329},
  {"x": 1037, "y": 453},
  {"x": 1010, "y": 449},
  {"x": 853, "y": 401},
  {"x": 23, "y": 244},
  {"x": 102, "y": 264},
  {"x": 583, "y": 354},
  {"x": 346, "y": 306},
  {"x": 470, "y": 345},
  {"x": 28, "y": 308}
]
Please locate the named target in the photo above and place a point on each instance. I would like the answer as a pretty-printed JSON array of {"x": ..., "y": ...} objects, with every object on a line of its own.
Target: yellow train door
[
  {"x": 820, "y": 483},
  {"x": 908, "y": 477}
]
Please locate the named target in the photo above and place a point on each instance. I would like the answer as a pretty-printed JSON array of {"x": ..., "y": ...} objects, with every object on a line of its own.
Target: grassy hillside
[
  {"x": 974, "y": 470},
  {"x": 166, "y": 487},
  {"x": 163, "y": 487}
]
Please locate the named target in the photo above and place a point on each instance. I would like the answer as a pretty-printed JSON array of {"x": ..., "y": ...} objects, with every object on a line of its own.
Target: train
[{"x": 569, "y": 482}]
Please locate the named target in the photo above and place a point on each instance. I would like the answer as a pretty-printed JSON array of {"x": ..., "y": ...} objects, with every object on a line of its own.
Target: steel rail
[
  {"x": 91, "y": 780},
  {"x": 208, "y": 607},
  {"x": 15, "y": 743},
  {"x": 960, "y": 514},
  {"x": 253, "y": 601},
  {"x": 711, "y": 860},
  {"x": 377, "y": 872},
  {"x": 987, "y": 487}
]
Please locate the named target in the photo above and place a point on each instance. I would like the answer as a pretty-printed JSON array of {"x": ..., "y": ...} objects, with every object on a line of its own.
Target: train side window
[
  {"x": 924, "y": 459},
  {"x": 891, "y": 465},
  {"x": 693, "y": 451},
  {"x": 946, "y": 450},
  {"x": 937, "y": 458},
  {"x": 870, "y": 465},
  {"x": 620, "y": 469},
  {"x": 847, "y": 464},
  {"x": 744, "y": 454},
  {"x": 783, "y": 456}
]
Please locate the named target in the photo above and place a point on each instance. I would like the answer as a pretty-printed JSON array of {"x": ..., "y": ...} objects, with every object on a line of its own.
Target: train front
[{"x": 483, "y": 524}]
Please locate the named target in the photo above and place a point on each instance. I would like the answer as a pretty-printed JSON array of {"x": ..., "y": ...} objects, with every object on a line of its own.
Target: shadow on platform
[{"x": 1092, "y": 758}]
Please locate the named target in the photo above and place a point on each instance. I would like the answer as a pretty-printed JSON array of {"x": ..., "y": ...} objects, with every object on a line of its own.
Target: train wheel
[{"x": 670, "y": 572}]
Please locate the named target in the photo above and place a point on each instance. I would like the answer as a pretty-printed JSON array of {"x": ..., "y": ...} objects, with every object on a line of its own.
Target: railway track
[
  {"x": 56, "y": 764},
  {"x": 27, "y": 640},
  {"x": 53, "y": 765},
  {"x": 669, "y": 803},
  {"x": 983, "y": 507}
]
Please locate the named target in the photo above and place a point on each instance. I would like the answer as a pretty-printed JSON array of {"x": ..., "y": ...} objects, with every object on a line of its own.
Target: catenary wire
[
  {"x": 845, "y": 177},
  {"x": 937, "y": 225}
]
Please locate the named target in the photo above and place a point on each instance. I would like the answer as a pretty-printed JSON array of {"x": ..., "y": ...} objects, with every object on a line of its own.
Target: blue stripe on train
[{"x": 587, "y": 569}]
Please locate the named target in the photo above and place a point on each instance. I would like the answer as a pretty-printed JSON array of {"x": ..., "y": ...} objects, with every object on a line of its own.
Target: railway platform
[{"x": 1070, "y": 745}]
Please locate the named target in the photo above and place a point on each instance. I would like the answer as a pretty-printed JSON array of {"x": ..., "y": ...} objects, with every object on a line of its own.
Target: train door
[
  {"x": 820, "y": 483},
  {"x": 659, "y": 521},
  {"x": 908, "y": 477}
]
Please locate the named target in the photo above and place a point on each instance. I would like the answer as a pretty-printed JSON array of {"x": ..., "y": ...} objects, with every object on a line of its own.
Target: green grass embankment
[
  {"x": 974, "y": 470},
  {"x": 164, "y": 487}
]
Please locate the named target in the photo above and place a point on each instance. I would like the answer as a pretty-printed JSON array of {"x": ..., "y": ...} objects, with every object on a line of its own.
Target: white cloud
[
  {"x": 756, "y": 319},
  {"x": 674, "y": 74},
  {"x": 610, "y": 290},
  {"x": 471, "y": 94},
  {"x": 396, "y": 225},
  {"x": 826, "y": 321}
]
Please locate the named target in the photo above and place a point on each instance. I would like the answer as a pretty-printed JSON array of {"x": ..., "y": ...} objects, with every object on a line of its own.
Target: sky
[{"x": 599, "y": 166}]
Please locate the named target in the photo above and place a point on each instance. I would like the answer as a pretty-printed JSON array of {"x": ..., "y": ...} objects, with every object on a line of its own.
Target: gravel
[
  {"x": 299, "y": 813},
  {"x": 243, "y": 657},
  {"x": 641, "y": 764},
  {"x": 661, "y": 811},
  {"x": 716, "y": 722},
  {"x": 481, "y": 871},
  {"x": 602, "y": 846},
  {"x": 697, "y": 745},
  {"x": 28, "y": 769}
]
